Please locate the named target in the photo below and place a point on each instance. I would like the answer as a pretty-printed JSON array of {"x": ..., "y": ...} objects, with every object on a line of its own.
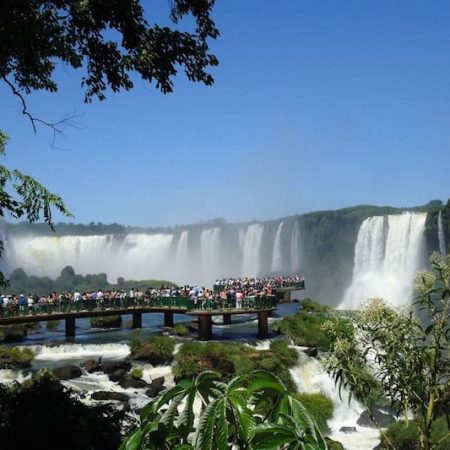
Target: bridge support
[
  {"x": 226, "y": 319},
  {"x": 168, "y": 319},
  {"x": 287, "y": 296},
  {"x": 263, "y": 325},
  {"x": 137, "y": 320},
  {"x": 204, "y": 327},
  {"x": 70, "y": 327}
]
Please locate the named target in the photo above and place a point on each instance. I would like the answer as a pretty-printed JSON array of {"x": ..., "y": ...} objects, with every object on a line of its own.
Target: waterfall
[
  {"x": 277, "y": 257},
  {"x": 442, "y": 247},
  {"x": 251, "y": 249},
  {"x": 295, "y": 253},
  {"x": 134, "y": 256},
  {"x": 210, "y": 254},
  {"x": 388, "y": 253}
]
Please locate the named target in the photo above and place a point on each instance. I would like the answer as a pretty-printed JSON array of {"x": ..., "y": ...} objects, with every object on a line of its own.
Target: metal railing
[{"x": 69, "y": 306}]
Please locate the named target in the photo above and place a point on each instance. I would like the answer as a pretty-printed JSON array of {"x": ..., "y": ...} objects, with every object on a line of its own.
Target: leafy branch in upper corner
[
  {"x": 406, "y": 352},
  {"x": 21, "y": 196}
]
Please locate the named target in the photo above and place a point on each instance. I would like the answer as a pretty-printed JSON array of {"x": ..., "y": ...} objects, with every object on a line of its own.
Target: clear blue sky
[{"x": 316, "y": 105}]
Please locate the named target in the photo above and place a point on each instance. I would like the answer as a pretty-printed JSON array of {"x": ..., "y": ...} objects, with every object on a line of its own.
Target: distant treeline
[{"x": 69, "y": 281}]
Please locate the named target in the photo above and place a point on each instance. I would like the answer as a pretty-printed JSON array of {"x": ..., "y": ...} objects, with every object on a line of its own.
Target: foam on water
[{"x": 80, "y": 351}]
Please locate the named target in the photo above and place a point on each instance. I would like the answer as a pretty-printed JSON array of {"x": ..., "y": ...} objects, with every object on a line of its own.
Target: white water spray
[{"x": 277, "y": 257}]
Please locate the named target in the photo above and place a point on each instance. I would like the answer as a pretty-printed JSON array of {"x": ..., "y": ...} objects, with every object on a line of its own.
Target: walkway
[{"x": 70, "y": 311}]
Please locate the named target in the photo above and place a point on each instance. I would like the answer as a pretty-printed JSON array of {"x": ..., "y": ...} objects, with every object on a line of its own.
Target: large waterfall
[
  {"x": 198, "y": 254},
  {"x": 442, "y": 247},
  {"x": 388, "y": 252}
]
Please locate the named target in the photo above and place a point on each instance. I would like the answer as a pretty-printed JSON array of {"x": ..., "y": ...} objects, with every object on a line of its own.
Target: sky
[{"x": 316, "y": 105}]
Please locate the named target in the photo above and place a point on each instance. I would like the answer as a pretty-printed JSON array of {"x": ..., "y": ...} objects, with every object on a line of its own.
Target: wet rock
[
  {"x": 348, "y": 429},
  {"x": 112, "y": 366},
  {"x": 117, "y": 375},
  {"x": 67, "y": 372},
  {"x": 127, "y": 381},
  {"x": 92, "y": 365},
  {"x": 13, "y": 333},
  {"x": 158, "y": 383},
  {"x": 155, "y": 387},
  {"x": 109, "y": 395},
  {"x": 311, "y": 351},
  {"x": 383, "y": 419}
]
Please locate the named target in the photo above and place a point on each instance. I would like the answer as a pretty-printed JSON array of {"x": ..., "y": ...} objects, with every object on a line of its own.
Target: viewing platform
[{"x": 70, "y": 311}]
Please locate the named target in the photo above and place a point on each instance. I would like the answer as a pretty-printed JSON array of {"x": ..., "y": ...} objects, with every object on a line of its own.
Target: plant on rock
[{"x": 253, "y": 411}]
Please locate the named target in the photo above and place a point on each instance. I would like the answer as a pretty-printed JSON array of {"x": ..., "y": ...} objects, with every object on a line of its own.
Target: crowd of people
[
  {"x": 226, "y": 291},
  {"x": 259, "y": 284}
]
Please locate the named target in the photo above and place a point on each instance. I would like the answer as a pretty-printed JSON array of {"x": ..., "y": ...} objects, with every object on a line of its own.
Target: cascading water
[
  {"x": 210, "y": 253},
  {"x": 388, "y": 252},
  {"x": 251, "y": 249},
  {"x": 311, "y": 377},
  {"x": 442, "y": 247},
  {"x": 295, "y": 253},
  {"x": 277, "y": 257}
]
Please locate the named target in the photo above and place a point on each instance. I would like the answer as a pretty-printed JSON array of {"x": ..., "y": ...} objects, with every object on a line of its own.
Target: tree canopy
[{"x": 109, "y": 41}]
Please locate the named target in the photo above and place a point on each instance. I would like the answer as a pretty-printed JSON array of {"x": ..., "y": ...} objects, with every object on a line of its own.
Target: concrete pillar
[
  {"x": 70, "y": 327},
  {"x": 168, "y": 319},
  {"x": 226, "y": 319},
  {"x": 263, "y": 325},
  {"x": 137, "y": 320},
  {"x": 204, "y": 327},
  {"x": 287, "y": 296}
]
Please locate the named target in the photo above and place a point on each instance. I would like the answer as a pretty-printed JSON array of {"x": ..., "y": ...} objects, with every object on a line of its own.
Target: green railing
[{"x": 68, "y": 306}]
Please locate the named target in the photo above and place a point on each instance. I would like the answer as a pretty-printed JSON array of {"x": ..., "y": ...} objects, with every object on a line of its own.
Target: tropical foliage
[
  {"x": 249, "y": 412},
  {"x": 408, "y": 356},
  {"x": 63, "y": 423}
]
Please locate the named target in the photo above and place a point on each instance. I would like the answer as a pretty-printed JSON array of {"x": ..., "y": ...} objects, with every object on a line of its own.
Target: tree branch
[{"x": 56, "y": 127}]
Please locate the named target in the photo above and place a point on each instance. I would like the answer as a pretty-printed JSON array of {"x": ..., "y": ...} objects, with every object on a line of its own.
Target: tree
[
  {"x": 408, "y": 356},
  {"x": 255, "y": 411},
  {"x": 110, "y": 40}
]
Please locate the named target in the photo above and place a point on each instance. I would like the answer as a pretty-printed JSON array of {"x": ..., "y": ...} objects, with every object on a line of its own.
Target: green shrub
[
  {"x": 305, "y": 329},
  {"x": 404, "y": 435},
  {"x": 14, "y": 357},
  {"x": 181, "y": 329},
  {"x": 53, "y": 324},
  {"x": 334, "y": 445},
  {"x": 319, "y": 406},
  {"x": 231, "y": 359},
  {"x": 309, "y": 305},
  {"x": 157, "y": 350},
  {"x": 137, "y": 372}
]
